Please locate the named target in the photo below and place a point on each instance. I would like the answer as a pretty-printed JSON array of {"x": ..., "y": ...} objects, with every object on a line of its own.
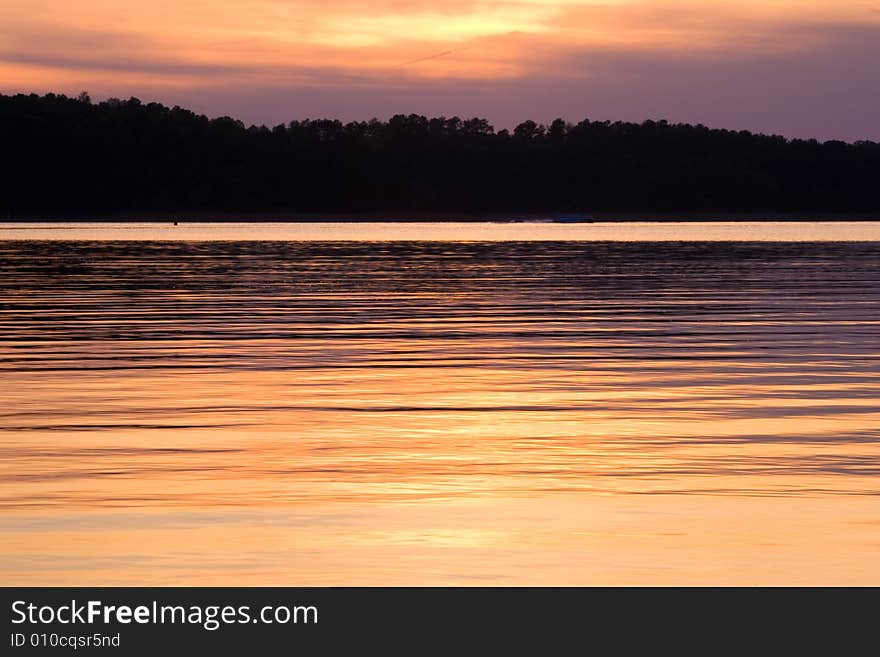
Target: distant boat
[{"x": 574, "y": 219}]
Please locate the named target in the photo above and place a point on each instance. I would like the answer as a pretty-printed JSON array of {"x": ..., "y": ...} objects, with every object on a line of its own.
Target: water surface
[
  {"x": 450, "y": 231},
  {"x": 559, "y": 412}
]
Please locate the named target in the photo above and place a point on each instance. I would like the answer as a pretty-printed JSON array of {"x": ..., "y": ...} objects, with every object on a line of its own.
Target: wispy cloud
[
  {"x": 428, "y": 58},
  {"x": 626, "y": 57}
]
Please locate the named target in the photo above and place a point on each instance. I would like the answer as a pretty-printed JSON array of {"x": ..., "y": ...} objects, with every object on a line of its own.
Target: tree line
[{"x": 71, "y": 156}]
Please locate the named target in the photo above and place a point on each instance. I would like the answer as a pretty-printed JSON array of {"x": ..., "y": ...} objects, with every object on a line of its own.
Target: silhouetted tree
[{"x": 72, "y": 156}]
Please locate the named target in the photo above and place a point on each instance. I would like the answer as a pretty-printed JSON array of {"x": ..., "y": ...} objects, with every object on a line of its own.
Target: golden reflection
[{"x": 417, "y": 413}]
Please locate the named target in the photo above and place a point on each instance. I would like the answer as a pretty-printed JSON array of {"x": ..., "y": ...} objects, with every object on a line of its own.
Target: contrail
[{"x": 424, "y": 59}]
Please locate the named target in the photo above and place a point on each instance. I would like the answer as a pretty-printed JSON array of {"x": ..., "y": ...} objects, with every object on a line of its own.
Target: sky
[{"x": 801, "y": 68}]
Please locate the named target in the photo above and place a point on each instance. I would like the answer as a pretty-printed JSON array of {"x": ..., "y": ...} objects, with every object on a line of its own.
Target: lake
[{"x": 418, "y": 404}]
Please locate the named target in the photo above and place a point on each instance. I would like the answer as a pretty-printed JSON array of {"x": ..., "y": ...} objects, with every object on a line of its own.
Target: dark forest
[{"x": 71, "y": 157}]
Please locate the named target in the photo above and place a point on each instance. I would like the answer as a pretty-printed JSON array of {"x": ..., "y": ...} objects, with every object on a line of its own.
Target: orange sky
[{"x": 273, "y": 60}]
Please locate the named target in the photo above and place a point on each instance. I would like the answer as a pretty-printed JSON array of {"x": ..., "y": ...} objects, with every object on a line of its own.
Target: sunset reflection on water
[{"x": 439, "y": 413}]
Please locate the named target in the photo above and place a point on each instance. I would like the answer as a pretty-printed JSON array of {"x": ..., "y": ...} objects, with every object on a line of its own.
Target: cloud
[{"x": 799, "y": 67}]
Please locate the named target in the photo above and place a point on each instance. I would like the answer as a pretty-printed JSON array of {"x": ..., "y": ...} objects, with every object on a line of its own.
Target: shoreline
[{"x": 420, "y": 217}]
